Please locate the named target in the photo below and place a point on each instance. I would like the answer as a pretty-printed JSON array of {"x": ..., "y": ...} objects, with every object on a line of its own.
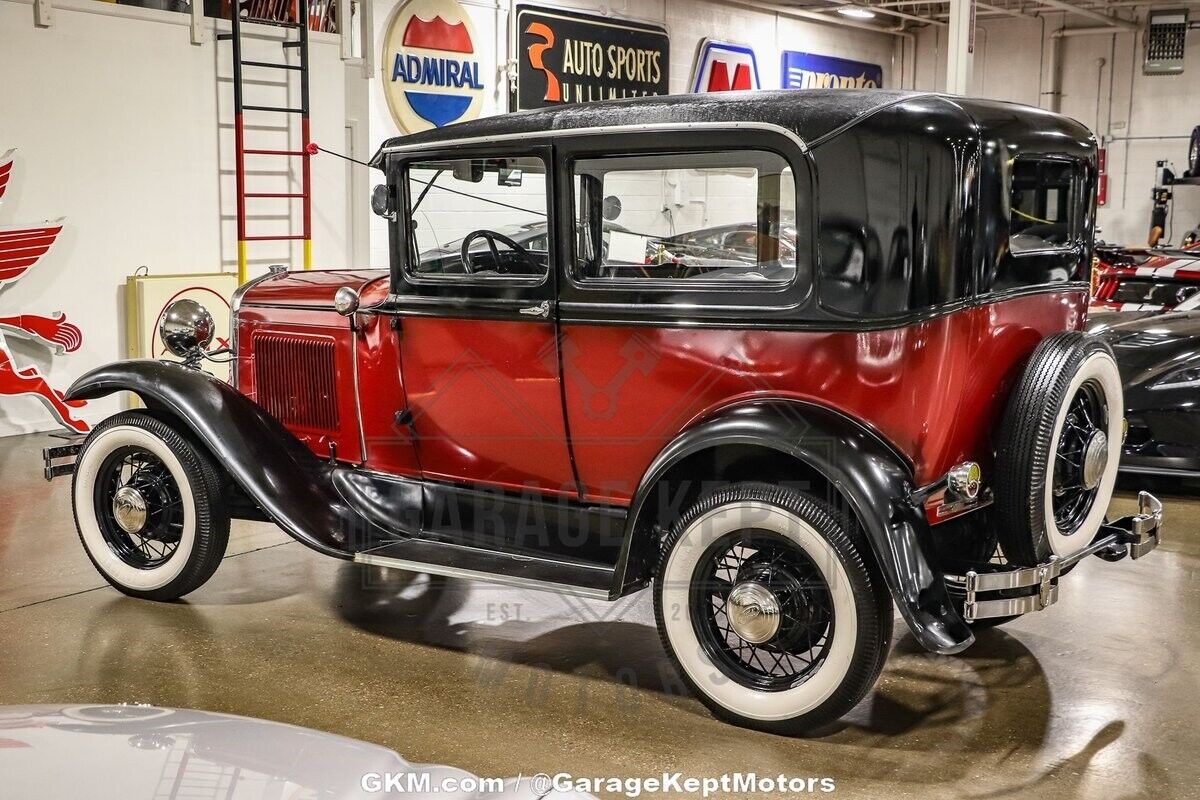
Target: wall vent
[{"x": 1166, "y": 36}]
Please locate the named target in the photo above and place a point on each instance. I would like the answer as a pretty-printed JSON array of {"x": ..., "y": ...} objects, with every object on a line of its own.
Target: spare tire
[{"x": 1058, "y": 449}]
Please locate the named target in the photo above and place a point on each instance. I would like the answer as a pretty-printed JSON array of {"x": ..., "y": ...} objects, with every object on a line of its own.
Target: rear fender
[
  {"x": 874, "y": 480},
  {"x": 290, "y": 484}
]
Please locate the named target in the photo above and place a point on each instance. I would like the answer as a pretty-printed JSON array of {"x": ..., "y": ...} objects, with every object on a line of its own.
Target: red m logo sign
[{"x": 718, "y": 77}]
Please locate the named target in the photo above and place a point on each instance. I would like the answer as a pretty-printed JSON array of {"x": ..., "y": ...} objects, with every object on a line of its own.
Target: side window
[
  {"x": 1042, "y": 205},
  {"x": 1047, "y": 204},
  {"x": 478, "y": 218},
  {"x": 704, "y": 217}
]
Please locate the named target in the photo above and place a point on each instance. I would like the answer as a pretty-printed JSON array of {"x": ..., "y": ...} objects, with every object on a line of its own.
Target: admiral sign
[
  {"x": 808, "y": 71},
  {"x": 570, "y": 57},
  {"x": 723, "y": 67},
  {"x": 431, "y": 72}
]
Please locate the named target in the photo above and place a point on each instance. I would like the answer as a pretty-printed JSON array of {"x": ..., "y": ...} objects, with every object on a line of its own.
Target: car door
[{"x": 477, "y": 331}]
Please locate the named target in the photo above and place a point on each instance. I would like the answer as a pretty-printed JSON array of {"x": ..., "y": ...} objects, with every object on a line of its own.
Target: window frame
[
  {"x": 406, "y": 242},
  {"x": 1073, "y": 211},
  {"x": 673, "y": 284}
]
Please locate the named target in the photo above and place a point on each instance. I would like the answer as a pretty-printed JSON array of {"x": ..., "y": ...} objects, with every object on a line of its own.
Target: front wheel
[
  {"x": 771, "y": 613},
  {"x": 148, "y": 507}
]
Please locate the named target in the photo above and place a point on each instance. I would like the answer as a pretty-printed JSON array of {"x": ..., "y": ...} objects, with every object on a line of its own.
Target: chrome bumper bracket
[
  {"x": 1136, "y": 536},
  {"x": 59, "y": 459}
]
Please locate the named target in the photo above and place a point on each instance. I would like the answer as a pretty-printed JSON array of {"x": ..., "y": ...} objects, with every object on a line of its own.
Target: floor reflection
[{"x": 992, "y": 698}]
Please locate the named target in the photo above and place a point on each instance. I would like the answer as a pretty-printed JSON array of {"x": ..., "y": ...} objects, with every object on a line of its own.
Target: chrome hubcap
[
  {"x": 1095, "y": 459},
  {"x": 129, "y": 509},
  {"x": 754, "y": 612}
]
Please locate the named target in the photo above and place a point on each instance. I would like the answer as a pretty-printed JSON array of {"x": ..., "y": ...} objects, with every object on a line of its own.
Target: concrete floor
[{"x": 1096, "y": 697}]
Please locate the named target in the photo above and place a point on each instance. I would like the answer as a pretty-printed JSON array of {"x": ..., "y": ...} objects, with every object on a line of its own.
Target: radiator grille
[{"x": 295, "y": 381}]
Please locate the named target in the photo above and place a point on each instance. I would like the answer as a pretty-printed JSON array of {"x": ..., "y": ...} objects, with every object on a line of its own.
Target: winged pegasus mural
[{"x": 20, "y": 250}]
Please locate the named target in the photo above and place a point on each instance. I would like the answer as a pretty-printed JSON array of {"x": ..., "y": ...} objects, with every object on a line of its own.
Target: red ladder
[{"x": 279, "y": 14}]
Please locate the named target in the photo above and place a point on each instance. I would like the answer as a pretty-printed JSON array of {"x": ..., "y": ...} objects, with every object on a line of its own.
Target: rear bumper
[{"x": 1009, "y": 592}]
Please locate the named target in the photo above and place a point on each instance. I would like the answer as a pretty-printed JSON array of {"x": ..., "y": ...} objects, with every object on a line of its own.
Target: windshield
[{"x": 494, "y": 207}]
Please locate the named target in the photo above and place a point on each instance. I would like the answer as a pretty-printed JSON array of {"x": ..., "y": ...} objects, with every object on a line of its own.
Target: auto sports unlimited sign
[
  {"x": 431, "y": 73},
  {"x": 809, "y": 71},
  {"x": 570, "y": 57}
]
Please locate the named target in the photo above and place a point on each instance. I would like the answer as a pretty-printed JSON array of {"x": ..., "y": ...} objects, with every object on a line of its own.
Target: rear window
[
  {"x": 1042, "y": 205},
  {"x": 1048, "y": 202}
]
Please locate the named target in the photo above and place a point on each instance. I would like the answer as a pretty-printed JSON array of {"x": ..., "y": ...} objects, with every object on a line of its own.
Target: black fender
[
  {"x": 290, "y": 484},
  {"x": 874, "y": 479}
]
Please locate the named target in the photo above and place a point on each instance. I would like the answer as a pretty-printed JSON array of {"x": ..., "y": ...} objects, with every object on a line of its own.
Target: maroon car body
[{"x": 868, "y": 415}]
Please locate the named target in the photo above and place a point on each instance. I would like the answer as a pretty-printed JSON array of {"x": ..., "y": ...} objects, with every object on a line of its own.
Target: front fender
[
  {"x": 275, "y": 469},
  {"x": 873, "y": 478}
]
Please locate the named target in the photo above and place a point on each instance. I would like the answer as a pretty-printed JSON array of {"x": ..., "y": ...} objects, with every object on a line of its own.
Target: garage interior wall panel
[
  {"x": 1140, "y": 118},
  {"x": 124, "y": 128}
]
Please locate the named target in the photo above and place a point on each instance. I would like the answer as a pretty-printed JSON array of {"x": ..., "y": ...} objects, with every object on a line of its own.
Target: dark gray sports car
[{"x": 1159, "y": 358}]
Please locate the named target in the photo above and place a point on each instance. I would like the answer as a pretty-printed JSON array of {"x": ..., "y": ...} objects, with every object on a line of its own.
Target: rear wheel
[
  {"x": 769, "y": 610},
  {"x": 148, "y": 507},
  {"x": 1059, "y": 447}
]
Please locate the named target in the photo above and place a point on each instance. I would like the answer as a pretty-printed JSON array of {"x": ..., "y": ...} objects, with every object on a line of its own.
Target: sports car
[
  {"x": 1145, "y": 279},
  {"x": 1158, "y": 356}
]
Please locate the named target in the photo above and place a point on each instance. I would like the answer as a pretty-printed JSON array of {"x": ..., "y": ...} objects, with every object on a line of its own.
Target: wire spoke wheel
[
  {"x": 762, "y": 610},
  {"x": 1080, "y": 457},
  {"x": 139, "y": 507}
]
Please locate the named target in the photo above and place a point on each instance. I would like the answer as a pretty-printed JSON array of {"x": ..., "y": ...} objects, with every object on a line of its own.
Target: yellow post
[
  {"x": 308, "y": 253},
  {"x": 241, "y": 262}
]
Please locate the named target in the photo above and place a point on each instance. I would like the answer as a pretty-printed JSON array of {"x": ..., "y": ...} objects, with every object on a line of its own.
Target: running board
[{"x": 494, "y": 566}]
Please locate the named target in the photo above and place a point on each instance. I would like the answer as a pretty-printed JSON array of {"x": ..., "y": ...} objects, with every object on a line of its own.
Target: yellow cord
[{"x": 1031, "y": 217}]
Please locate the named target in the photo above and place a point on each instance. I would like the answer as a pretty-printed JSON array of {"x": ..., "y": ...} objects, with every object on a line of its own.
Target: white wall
[
  {"x": 686, "y": 21},
  {"x": 124, "y": 127},
  {"x": 1012, "y": 63}
]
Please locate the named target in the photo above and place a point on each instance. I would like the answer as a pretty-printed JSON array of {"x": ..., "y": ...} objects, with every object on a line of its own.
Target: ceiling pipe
[
  {"x": 813, "y": 16},
  {"x": 1053, "y": 91},
  {"x": 878, "y": 9},
  {"x": 899, "y": 32},
  {"x": 1008, "y": 12},
  {"x": 1112, "y": 22}
]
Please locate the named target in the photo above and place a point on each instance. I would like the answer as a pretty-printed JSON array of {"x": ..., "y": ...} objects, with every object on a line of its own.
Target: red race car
[{"x": 1145, "y": 279}]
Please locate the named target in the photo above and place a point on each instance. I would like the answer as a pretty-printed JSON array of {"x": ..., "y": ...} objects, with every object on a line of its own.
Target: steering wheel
[{"x": 491, "y": 237}]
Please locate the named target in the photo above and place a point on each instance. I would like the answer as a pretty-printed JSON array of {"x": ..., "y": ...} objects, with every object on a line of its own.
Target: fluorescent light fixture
[{"x": 857, "y": 12}]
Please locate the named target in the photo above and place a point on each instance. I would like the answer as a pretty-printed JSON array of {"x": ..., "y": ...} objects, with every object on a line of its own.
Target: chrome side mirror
[
  {"x": 187, "y": 329},
  {"x": 383, "y": 201}
]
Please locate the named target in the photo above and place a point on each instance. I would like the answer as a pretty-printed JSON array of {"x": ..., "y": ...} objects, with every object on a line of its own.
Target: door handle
[{"x": 542, "y": 309}]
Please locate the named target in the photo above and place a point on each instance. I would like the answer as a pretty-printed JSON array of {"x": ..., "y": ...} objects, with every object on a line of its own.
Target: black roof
[{"x": 810, "y": 113}]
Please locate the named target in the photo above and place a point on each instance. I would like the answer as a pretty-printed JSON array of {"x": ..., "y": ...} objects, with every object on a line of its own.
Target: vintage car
[
  {"x": 1145, "y": 279},
  {"x": 785, "y": 448},
  {"x": 1158, "y": 355}
]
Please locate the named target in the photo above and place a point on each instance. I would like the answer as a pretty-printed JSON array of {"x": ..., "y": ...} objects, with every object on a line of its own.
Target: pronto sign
[
  {"x": 570, "y": 57},
  {"x": 431, "y": 71},
  {"x": 808, "y": 71}
]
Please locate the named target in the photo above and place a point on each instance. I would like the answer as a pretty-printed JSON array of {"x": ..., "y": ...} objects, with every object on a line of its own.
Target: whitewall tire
[
  {"x": 149, "y": 507},
  {"x": 772, "y": 608},
  {"x": 1059, "y": 449}
]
